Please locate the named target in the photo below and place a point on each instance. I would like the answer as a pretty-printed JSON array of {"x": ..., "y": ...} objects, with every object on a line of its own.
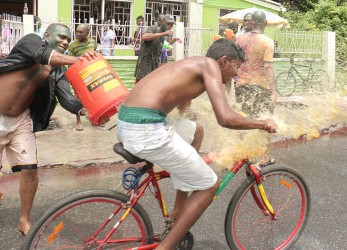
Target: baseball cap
[{"x": 169, "y": 18}]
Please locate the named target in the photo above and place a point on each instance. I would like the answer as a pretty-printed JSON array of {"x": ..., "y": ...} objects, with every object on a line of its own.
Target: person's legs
[
  {"x": 27, "y": 191},
  {"x": 79, "y": 125},
  {"x": 160, "y": 144},
  {"x": 181, "y": 198},
  {"x": 190, "y": 212},
  {"x": 1, "y": 192},
  {"x": 198, "y": 137},
  {"x": 21, "y": 155}
]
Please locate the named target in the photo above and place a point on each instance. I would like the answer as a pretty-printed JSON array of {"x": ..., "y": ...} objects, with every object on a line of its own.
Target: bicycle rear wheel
[
  {"x": 285, "y": 83},
  {"x": 74, "y": 221},
  {"x": 320, "y": 81},
  {"x": 247, "y": 227}
]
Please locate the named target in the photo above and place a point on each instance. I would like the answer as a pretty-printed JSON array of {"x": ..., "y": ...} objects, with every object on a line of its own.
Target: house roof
[{"x": 268, "y": 4}]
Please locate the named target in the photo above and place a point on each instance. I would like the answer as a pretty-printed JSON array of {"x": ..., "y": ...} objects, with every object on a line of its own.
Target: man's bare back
[
  {"x": 174, "y": 84},
  {"x": 18, "y": 88}
]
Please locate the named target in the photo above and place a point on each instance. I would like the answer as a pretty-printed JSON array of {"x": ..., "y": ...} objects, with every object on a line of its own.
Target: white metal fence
[
  {"x": 11, "y": 30},
  {"x": 124, "y": 34},
  {"x": 303, "y": 44},
  {"x": 196, "y": 39}
]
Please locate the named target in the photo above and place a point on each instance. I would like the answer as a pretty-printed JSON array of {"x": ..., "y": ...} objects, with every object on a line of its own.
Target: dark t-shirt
[{"x": 150, "y": 54}]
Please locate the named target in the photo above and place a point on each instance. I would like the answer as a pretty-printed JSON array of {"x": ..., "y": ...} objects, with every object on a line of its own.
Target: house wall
[
  {"x": 139, "y": 9},
  {"x": 48, "y": 10},
  {"x": 65, "y": 10},
  {"x": 211, "y": 9},
  {"x": 232, "y": 4}
]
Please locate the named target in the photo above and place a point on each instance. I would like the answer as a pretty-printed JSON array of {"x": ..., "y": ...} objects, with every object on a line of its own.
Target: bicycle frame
[
  {"x": 153, "y": 178},
  {"x": 309, "y": 73}
]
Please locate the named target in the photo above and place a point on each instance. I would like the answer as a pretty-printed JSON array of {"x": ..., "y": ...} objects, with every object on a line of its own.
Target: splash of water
[{"x": 307, "y": 120}]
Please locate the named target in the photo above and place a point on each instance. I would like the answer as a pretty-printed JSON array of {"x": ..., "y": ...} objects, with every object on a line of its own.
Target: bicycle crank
[{"x": 187, "y": 242}]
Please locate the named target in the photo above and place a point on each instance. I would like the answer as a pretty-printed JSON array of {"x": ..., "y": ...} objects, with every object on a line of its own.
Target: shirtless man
[
  {"x": 31, "y": 78},
  {"x": 144, "y": 132}
]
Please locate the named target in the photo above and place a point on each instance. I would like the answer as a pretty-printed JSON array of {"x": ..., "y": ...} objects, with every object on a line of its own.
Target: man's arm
[
  {"x": 67, "y": 100},
  {"x": 270, "y": 78},
  {"x": 269, "y": 69},
  {"x": 226, "y": 117},
  {"x": 58, "y": 59},
  {"x": 150, "y": 34},
  {"x": 173, "y": 40}
]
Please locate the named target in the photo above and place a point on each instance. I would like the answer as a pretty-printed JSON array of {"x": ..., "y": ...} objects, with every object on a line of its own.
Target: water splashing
[{"x": 305, "y": 117}]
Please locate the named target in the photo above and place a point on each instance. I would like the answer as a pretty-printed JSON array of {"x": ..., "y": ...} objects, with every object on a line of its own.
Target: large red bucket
[{"x": 97, "y": 86}]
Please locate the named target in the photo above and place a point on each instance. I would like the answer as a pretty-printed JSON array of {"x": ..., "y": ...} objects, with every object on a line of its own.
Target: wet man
[
  {"x": 255, "y": 87},
  {"x": 31, "y": 78},
  {"x": 144, "y": 131}
]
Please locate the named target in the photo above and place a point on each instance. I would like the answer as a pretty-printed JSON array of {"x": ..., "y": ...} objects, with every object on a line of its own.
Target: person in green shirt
[{"x": 82, "y": 43}]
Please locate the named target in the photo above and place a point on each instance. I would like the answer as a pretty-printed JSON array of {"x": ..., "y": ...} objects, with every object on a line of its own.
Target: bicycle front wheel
[
  {"x": 248, "y": 227},
  {"x": 320, "y": 81},
  {"x": 285, "y": 83},
  {"x": 79, "y": 221}
]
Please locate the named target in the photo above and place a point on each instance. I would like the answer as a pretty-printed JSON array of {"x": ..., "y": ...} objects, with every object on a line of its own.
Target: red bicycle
[{"x": 106, "y": 219}]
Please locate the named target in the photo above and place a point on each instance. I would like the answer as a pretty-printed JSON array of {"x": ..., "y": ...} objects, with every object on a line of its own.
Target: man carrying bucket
[{"x": 31, "y": 78}]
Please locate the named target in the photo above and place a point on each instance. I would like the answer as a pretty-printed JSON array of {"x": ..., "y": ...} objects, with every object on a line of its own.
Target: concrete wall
[{"x": 48, "y": 10}]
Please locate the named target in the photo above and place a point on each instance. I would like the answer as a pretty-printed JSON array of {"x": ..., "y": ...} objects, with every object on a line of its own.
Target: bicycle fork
[
  {"x": 256, "y": 172},
  {"x": 262, "y": 203}
]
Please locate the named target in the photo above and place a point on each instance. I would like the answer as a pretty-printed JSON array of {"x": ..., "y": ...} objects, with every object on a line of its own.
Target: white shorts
[
  {"x": 160, "y": 144},
  {"x": 18, "y": 138},
  {"x": 184, "y": 127}
]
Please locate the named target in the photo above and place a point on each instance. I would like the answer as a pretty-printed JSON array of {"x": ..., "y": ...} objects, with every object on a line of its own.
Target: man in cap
[{"x": 152, "y": 43}]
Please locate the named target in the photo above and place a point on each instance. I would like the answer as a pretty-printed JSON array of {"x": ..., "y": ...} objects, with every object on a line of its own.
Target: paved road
[{"x": 322, "y": 162}]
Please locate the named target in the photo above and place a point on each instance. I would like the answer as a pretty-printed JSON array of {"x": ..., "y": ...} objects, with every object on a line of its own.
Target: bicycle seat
[{"x": 119, "y": 149}]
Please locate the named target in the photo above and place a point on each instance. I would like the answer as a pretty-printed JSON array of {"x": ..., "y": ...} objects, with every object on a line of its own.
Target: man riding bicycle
[{"x": 144, "y": 131}]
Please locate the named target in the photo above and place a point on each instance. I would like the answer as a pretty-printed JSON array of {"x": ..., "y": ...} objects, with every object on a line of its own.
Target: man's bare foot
[
  {"x": 24, "y": 227},
  {"x": 79, "y": 127}
]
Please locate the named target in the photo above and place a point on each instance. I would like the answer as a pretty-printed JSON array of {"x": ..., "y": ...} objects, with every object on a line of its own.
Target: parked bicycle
[
  {"x": 269, "y": 210},
  {"x": 316, "y": 80}
]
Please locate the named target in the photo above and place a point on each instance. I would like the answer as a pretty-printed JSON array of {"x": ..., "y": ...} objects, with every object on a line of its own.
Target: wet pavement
[
  {"x": 322, "y": 162},
  {"x": 72, "y": 161}
]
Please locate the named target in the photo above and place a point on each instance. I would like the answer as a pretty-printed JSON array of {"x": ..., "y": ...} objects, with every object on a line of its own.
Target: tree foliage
[{"x": 326, "y": 15}]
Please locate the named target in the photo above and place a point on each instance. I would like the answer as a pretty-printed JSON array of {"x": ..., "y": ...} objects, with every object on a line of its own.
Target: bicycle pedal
[{"x": 187, "y": 242}]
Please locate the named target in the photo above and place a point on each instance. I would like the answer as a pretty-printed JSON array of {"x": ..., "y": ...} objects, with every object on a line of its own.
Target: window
[
  {"x": 116, "y": 15},
  {"x": 177, "y": 9}
]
